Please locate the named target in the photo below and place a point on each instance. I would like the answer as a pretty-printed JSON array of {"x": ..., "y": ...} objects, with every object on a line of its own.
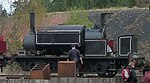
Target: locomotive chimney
[
  {"x": 103, "y": 22},
  {"x": 104, "y": 17},
  {"x": 32, "y": 22}
]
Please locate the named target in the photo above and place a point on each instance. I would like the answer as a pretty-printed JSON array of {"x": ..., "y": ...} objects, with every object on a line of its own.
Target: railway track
[
  {"x": 53, "y": 75},
  {"x": 14, "y": 76}
]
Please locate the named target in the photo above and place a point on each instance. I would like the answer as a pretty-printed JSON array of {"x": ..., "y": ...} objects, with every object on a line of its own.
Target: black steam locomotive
[{"x": 51, "y": 44}]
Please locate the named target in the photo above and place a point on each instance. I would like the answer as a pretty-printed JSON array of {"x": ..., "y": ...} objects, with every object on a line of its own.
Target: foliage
[
  {"x": 79, "y": 17},
  {"x": 24, "y": 8},
  {"x": 142, "y": 3},
  {"x": 12, "y": 68},
  {"x": 19, "y": 22},
  {"x": 67, "y": 5}
]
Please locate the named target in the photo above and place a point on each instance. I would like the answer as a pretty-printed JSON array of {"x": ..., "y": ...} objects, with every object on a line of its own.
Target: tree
[
  {"x": 19, "y": 22},
  {"x": 131, "y": 3}
]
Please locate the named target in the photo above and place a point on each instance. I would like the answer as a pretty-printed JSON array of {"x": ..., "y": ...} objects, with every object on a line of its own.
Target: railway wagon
[
  {"x": 3, "y": 50},
  {"x": 51, "y": 44}
]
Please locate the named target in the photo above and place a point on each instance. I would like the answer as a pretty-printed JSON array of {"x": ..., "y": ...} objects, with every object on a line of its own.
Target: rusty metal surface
[
  {"x": 40, "y": 72},
  {"x": 67, "y": 69}
]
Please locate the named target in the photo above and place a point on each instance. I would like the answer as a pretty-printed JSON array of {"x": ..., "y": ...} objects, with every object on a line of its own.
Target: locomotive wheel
[
  {"x": 99, "y": 70},
  {"x": 110, "y": 73},
  {"x": 107, "y": 74},
  {"x": 81, "y": 74},
  {"x": 102, "y": 68}
]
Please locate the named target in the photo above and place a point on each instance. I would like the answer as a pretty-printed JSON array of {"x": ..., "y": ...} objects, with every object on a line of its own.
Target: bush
[{"x": 79, "y": 17}]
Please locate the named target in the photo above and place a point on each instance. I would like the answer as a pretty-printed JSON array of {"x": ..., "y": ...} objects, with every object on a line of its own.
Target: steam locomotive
[{"x": 51, "y": 44}]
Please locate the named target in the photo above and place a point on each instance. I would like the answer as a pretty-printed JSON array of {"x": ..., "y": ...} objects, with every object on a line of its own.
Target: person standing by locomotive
[{"x": 74, "y": 55}]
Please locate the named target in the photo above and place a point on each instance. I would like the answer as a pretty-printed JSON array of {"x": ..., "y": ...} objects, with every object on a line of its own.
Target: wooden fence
[{"x": 68, "y": 80}]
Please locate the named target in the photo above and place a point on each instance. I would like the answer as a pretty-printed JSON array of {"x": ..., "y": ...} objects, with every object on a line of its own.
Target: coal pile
[
  {"x": 135, "y": 22},
  {"x": 127, "y": 22}
]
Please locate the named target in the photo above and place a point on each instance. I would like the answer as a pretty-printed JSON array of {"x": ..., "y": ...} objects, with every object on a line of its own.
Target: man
[{"x": 74, "y": 55}]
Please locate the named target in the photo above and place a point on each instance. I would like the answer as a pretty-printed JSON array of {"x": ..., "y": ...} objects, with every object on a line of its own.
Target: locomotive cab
[{"x": 95, "y": 43}]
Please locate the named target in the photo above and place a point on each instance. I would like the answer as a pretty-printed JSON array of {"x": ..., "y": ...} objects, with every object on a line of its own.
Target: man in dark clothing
[{"x": 74, "y": 55}]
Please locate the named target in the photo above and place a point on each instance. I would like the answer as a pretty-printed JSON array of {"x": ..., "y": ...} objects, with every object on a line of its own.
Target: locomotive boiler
[{"x": 51, "y": 44}]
